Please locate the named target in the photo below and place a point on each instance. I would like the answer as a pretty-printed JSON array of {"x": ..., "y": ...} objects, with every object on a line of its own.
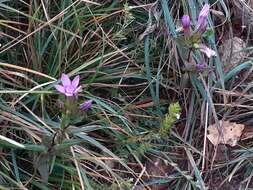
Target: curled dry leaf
[{"x": 231, "y": 133}]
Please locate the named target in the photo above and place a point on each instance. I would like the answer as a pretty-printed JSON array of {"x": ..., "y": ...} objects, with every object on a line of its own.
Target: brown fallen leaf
[
  {"x": 222, "y": 153},
  {"x": 232, "y": 53},
  {"x": 231, "y": 133},
  {"x": 157, "y": 168},
  {"x": 247, "y": 132}
]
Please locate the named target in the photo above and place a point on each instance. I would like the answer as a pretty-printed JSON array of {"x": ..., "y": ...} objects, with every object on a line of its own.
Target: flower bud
[
  {"x": 202, "y": 18},
  {"x": 201, "y": 66},
  {"x": 186, "y": 24},
  {"x": 86, "y": 105}
]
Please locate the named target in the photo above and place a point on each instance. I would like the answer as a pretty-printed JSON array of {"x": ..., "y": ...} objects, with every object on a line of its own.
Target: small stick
[
  {"x": 204, "y": 146},
  {"x": 142, "y": 172}
]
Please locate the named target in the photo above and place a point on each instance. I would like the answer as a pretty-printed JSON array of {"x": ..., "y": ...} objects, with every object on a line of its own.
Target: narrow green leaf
[{"x": 168, "y": 18}]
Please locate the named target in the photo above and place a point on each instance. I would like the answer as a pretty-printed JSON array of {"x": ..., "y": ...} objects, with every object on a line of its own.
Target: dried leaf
[
  {"x": 219, "y": 14},
  {"x": 157, "y": 166},
  {"x": 247, "y": 132},
  {"x": 231, "y": 133},
  {"x": 232, "y": 53},
  {"x": 222, "y": 153}
]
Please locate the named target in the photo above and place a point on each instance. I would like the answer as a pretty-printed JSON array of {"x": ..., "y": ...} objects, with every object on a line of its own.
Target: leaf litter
[{"x": 229, "y": 133}]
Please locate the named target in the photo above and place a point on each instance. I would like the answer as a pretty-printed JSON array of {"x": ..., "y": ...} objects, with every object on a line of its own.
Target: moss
[{"x": 170, "y": 119}]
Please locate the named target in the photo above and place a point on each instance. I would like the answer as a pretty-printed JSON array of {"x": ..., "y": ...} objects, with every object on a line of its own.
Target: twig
[
  {"x": 204, "y": 146},
  {"x": 139, "y": 177}
]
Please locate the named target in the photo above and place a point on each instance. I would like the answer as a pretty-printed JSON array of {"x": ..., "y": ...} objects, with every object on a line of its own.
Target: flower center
[{"x": 70, "y": 89}]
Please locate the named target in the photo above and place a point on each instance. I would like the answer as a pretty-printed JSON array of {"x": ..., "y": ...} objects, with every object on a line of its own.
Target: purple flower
[
  {"x": 201, "y": 66},
  {"x": 209, "y": 52},
  {"x": 68, "y": 87},
  {"x": 186, "y": 24},
  {"x": 202, "y": 18},
  {"x": 86, "y": 105}
]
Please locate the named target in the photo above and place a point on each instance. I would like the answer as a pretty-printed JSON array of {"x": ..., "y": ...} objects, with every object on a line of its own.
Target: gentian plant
[
  {"x": 194, "y": 39},
  {"x": 70, "y": 90}
]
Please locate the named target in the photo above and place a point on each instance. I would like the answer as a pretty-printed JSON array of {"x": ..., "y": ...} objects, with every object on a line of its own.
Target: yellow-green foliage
[{"x": 170, "y": 118}]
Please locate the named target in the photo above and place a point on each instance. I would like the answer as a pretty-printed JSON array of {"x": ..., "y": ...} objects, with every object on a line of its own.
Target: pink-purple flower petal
[
  {"x": 60, "y": 88},
  {"x": 75, "y": 81},
  {"x": 78, "y": 89},
  {"x": 209, "y": 52},
  {"x": 202, "y": 18},
  {"x": 65, "y": 80},
  {"x": 69, "y": 91},
  {"x": 204, "y": 11},
  {"x": 68, "y": 87}
]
